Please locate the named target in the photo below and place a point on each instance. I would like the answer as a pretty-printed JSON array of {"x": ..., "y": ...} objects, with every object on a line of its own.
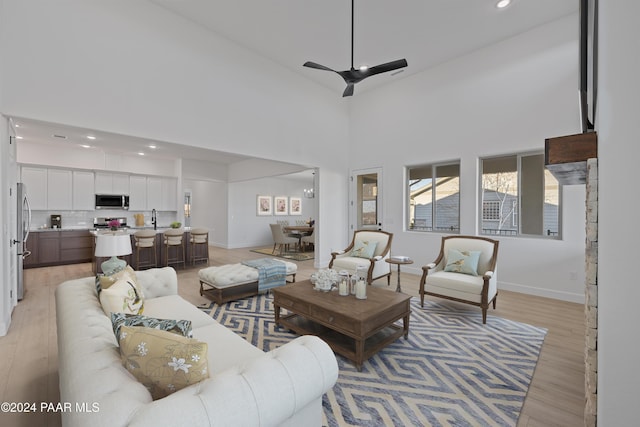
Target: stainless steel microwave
[{"x": 112, "y": 201}]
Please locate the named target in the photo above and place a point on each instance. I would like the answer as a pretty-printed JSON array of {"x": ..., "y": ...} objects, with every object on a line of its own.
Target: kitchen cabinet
[
  {"x": 76, "y": 246},
  {"x": 48, "y": 248},
  {"x": 58, "y": 247},
  {"x": 83, "y": 191},
  {"x": 111, "y": 183},
  {"x": 59, "y": 189},
  {"x": 154, "y": 193},
  {"x": 137, "y": 193},
  {"x": 35, "y": 180},
  {"x": 169, "y": 189}
]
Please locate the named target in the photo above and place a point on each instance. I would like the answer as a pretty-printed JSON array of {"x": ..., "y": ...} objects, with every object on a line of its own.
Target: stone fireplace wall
[{"x": 591, "y": 296}]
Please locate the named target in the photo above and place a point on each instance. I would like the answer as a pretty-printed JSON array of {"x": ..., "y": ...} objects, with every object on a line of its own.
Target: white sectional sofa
[{"x": 246, "y": 387}]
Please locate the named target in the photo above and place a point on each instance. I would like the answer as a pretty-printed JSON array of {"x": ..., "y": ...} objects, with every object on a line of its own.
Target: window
[
  {"x": 434, "y": 198},
  {"x": 491, "y": 211},
  {"x": 519, "y": 197}
]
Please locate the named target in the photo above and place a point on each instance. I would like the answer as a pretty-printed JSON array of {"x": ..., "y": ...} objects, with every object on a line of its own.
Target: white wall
[
  {"x": 502, "y": 99},
  {"x": 8, "y": 214},
  {"x": 209, "y": 208},
  {"x": 245, "y": 227},
  {"x": 618, "y": 236}
]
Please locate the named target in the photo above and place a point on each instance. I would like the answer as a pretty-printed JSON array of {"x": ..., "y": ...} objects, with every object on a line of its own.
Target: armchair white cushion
[
  {"x": 477, "y": 290},
  {"x": 376, "y": 265}
]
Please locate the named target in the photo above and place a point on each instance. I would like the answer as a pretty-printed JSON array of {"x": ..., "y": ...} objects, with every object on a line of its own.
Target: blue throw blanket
[{"x": 271, "y": 273}]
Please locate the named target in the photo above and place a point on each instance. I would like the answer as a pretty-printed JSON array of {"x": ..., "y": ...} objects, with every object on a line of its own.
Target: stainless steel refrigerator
[{"x": 24, "y": 224}]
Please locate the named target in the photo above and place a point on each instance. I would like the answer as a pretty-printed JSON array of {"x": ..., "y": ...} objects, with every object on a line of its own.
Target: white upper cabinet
[
  {"x": 169, "y": 197},
  {"x": 111, "y": 183},
  {"x": 59, "y": 189},
  {"x": 35, "y": 180},
  {"x": 154, "y": 193},
  {"x": 83, "y": 191},
  {"x": 138, "y": 193}
]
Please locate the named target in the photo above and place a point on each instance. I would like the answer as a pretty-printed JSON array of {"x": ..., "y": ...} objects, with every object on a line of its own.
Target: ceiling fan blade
[
  {"x": 348, "y": 91},
  {"x": 384, "y": 68},
  {"x": 317, "y": 66}
]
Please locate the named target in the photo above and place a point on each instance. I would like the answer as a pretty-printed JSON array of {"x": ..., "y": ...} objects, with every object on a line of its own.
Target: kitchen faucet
[{"x": 154, "y": 219}]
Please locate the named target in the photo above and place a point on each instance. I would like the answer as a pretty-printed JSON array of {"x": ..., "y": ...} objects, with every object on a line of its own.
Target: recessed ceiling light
[
  {"x": 18, "y": 137},
  {"x": 153, "y": 147},
  {"x": 141, "y": 154},
  {"x": 85, "y": 146},
  {"x": 17, "y": 125},
  {"x": 503, "y": 3},
  {"x": 91, "y": 137}
]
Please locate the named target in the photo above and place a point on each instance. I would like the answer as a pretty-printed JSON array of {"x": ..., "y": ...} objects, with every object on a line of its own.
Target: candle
[
  {"x": 361, "y": 290},
  {"x": 342, "y": 288}
]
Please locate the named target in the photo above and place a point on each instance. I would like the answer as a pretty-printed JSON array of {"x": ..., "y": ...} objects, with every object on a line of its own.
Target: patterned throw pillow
[
  {"x": 104, "y": 281},
  {"x": 124, "y": 296},
  {"x": 180, "y": 327},
  {"x": 363, "y": 249},
  {"x": 465, "y": 262},
  {"x": 163, "y": 362}
]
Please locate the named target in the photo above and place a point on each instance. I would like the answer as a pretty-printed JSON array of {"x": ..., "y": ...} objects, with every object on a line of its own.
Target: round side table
[{"x": 399, "y": 261}]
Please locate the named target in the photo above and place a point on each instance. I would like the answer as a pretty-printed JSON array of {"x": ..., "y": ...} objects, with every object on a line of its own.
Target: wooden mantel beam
[{"x": 566, "y": 156}]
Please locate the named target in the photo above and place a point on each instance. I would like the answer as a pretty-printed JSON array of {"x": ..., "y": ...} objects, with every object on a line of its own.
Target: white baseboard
[
  {"x": 540, "y": 292},
  {"x": 4, "y": 325}
]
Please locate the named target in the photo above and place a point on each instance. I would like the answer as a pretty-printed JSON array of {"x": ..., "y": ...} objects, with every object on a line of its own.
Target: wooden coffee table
[{"x": 356, "y": 329}]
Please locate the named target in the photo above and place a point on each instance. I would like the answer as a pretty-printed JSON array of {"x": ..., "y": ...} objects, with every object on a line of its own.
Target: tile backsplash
[{"x": 84, "y": 219}]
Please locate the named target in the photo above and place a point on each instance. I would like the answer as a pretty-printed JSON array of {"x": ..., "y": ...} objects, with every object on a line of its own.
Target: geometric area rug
[{"x": 451, "y": 371}]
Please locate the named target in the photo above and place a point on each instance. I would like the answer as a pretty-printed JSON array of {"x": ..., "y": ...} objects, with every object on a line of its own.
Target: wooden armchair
[
  {"x": 359, "y": 253},
  {"x": 465, "y": 271}
]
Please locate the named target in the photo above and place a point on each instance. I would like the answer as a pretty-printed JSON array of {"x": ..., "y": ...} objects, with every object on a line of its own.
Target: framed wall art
[
  {"x": 295, "y": 206},
  {"x": 281, "y": 205},
  {"x": 264, "y": 205}
]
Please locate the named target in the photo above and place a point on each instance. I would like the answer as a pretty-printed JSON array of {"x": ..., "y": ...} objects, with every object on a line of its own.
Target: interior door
[{"x": 366, "y": 199}]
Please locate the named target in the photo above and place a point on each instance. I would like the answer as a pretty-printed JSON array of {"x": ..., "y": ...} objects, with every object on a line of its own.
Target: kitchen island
[
  {"x": 50, "y": 247},
  {"x": 146, "y": 257}
]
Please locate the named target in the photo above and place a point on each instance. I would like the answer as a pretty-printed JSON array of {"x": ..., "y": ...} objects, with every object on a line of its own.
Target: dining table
[{"x": 299, "y": 231}]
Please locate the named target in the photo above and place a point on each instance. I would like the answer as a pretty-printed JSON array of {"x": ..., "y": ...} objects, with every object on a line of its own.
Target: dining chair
[{"x": 280, "y": 239}]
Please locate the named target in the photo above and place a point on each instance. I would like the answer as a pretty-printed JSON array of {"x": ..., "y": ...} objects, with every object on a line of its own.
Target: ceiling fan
[{"x": 353, "y": 76}]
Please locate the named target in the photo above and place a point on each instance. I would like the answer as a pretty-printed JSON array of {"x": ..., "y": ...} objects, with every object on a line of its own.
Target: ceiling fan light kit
[{"x": 353, "y": 76}]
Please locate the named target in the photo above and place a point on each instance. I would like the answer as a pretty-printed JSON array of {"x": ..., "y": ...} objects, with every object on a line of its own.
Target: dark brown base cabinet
[{"x": 58, "y": 247}]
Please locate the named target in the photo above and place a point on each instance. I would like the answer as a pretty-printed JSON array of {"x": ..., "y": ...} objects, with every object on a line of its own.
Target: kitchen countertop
[{"x": 130, "y": 230}]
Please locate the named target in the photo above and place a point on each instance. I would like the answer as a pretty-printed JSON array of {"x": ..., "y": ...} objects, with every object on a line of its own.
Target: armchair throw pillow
[
  {"x": 465, "y": 262},
  {"x": 363, "y": 249}
]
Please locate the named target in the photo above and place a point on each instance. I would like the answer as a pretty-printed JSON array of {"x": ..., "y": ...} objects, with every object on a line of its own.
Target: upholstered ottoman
[{"x": 234, "y": 281}]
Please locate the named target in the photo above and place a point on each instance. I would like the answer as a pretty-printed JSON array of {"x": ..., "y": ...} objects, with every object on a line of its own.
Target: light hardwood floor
[{"x": 29, "y": 359}]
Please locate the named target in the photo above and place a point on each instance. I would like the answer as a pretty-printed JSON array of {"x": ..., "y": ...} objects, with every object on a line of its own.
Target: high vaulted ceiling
[
  {"x": 425, "y": 32},
  {"x": 291, "y": 32}
]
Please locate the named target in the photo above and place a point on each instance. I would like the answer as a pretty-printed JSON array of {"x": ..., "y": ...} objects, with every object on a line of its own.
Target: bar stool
[
  {"x": 145, "y": 240},
  {"x": 173, "y": 239},
  {"x": 199, "y": 237}
]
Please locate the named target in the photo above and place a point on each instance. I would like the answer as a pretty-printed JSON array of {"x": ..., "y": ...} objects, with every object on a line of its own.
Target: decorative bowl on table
[{"x": 324, "y": 280}]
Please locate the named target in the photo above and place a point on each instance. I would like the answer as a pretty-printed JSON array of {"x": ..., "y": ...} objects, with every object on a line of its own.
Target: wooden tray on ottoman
[{"x": 356, "y": 329}]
